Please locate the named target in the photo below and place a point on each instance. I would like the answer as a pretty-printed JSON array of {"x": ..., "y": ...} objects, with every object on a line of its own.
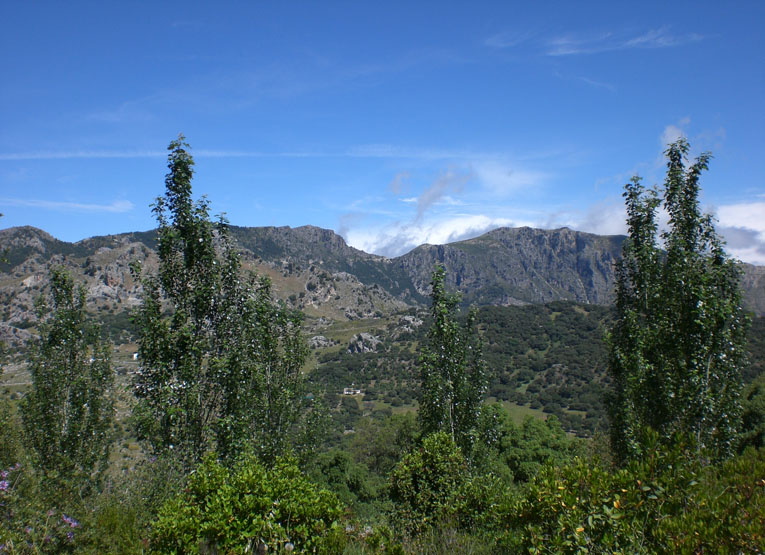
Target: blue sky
[{"x": 392, "y": 123}]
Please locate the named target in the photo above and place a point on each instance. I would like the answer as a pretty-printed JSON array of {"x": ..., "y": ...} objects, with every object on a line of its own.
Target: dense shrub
[
  {"x": 433, "y": 486},
  {"x": 30, "y": 521},
  {"x": 249, "y": 507},
  {"x": 663, "y": 503}
]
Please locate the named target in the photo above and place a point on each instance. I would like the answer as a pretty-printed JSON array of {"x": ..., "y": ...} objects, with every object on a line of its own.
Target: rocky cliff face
[
  {"x": 302, "y": 265},
  {"x": 523, "y": 265},
  {"x": 315, "y": 270},
  {"x": 306, "y": 246}
]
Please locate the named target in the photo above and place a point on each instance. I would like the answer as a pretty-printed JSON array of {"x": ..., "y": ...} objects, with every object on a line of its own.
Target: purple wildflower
[
  {"x": 70, "y": 536},
  {"x": 4, "y": 485},
  {"x": 4, "y": 474},
  {"x": 70, "y": 521}
]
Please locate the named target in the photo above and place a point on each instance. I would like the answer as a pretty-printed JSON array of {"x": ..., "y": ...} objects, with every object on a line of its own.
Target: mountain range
[{"x": 315, "y": 270}]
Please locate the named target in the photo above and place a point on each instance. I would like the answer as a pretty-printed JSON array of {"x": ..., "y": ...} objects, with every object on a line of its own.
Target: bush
[
  {"x": 30, "y": 521},
  {"x": 433, "y": 486},
  {"x": 249, "y": 507},
  {"x": 664, "y": 503},
  {"x": 426, "y": 482}
]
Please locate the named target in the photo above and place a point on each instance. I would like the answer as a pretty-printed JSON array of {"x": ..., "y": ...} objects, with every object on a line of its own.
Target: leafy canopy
[
  {"x": 68, "y": 413},
  {"x": 220, "y": 361},
  {"x": 248, "y": 509},
  {"x": 451, "y": 369},
  {"x": 677, "y": 346}
]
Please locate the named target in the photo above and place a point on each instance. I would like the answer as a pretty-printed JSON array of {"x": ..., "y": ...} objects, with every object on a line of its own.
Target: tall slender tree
[
  {"x": 220, "y": 361},
  {"x": 677, "y": 345},
  {"x": 453, "y": 376},
  {"x": 68, "y": 414}
]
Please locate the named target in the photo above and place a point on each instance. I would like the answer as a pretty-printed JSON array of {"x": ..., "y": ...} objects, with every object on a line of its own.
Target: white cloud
[
  {"x": 398, "y": 182},
  {"x": 398, "y": 238},
  {"x": 598, "y": 84},
  {"x": 403, "y": 152},
  {"x": 673, "y": 132},
  {"x": 569, "y": 45},
  {"x": 660, "y": 38},
  {"x": 749, "y": 215},
  {"x": 502, "y": 178},
  {"x": 117, "y": 206},
  {"x": 670, "y": 134},
  {"x": 447, "y": 181},
  {"x": 743, "y": 227},
  {"x": 606, "y": 218}
]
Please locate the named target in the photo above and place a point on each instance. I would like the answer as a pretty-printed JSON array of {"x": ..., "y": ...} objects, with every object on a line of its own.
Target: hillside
[
  {"x": 314, "y": 269},
  {"x": 543, "y": 294},
  {"x": 522, "y": 265}
]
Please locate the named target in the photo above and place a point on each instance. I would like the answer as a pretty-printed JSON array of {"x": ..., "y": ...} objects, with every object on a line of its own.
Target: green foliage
[
  {"x": 552, "y": 355},
  {"x": 247, "y": 508},
  {"x": 68, "y": 413},
  {"x": 433, "y": 486},
  {"x": 452, "y": 370},
  {"x": 753, "y": 415},
  {"x": 677, "y": 346},
  {"x": 222, "y": 370},
  {"x": 266, "y": 404},
  {"x": 440, "y": 540},
  {"x": 118, "y": 517},
  {"x": 427, "y": 481},
  {"x": 526, "y": 449},
  {"x": 12, "y": 436},
  {"x": 666, "y": 502},
  {"x": 358, "y": 489},
  {"x": 380, "y": 442},
  {"x": 727, "y": 511},
  {"x": 30, "y": 521}
]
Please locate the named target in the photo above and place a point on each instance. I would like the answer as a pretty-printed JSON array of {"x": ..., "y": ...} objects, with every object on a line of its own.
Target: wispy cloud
[
  {"x": 364, "y": 151},
  {"x": 569, "y": 45},
  {"x": 403, "y": 152},
  {"x": 448, "y": 181},
  {"x": 501, "y": 177},
  {"x": 71, "y": 154},
  {"x": 358, "y": 151},
  {"x": 674, "y": 131},
  {"x": 203, "y": 153},
  {"x": 118, "y": 206},
  {"x": 508, "y": 39},
  {"x": 398, "y": 182},
  {"x": 398, "y": 238},
  {"x": 469, "y": 197},
  {"x": 598, "y": 84}
]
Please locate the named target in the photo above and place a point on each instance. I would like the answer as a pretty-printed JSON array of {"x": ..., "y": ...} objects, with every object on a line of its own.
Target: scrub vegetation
[{"x": 494, "y": 430}]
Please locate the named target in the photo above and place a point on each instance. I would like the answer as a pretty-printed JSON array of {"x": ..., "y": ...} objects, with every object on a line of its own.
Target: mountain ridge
[{"x": 314, "y": 269}]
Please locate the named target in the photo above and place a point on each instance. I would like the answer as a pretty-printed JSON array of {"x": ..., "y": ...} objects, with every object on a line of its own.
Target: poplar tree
[
  {"x": 677, "y": 345},
  {"x": 69, "y": 411},
  {"x": 220, "y": 361},
  {"x": 452, "y": 371}
]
